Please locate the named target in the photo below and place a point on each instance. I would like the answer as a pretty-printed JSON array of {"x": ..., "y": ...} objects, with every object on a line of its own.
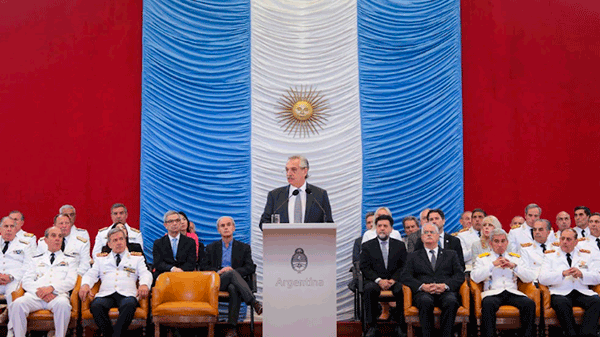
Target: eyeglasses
[
  {"x": 173, "y": 221},
  {"x": 429, "y": 232}
]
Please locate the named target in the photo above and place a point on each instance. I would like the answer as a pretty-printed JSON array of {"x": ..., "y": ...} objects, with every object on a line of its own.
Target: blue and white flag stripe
[{"x": 215, "y": 75}]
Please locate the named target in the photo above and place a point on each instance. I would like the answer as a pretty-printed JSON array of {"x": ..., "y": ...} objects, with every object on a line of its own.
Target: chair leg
[
  {"x": 463, "y": 332},
  {"x": 156, "y": 329},
  {"x": 211, "y": 329},
  {"x": 410, "y": 332},
  {"x": 547, "y": 330},
  {"x": 251, "y": 321}
]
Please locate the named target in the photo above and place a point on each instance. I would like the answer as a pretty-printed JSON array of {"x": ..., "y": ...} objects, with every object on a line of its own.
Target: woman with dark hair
[{"x": 188, "y": 229}]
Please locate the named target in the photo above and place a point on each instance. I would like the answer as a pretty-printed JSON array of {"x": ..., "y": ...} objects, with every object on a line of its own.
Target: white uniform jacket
[
  {"x": 30, "y": 238},
  {"x": 467, "y": 238},
  {"x": 135, "y": 236},
  {"x": 496, "y": 279},
  {"x": 121, "y": 279},
  {"x": 555, "y": 262},
  {"x": 62, "y": 274},
  {"x": 14, "y": 261},
  {"x": 533, "y": 254},
  {"x": 76, "y": 246}
]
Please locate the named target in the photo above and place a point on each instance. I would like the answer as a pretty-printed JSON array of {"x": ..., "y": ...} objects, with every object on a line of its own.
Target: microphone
[
  {"x": 296, "y": 192},
  {"x": 308, "y": 192}
]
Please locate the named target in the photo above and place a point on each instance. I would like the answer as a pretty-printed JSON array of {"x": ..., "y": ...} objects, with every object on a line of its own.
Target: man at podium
[{"x": 298, "y": 202}]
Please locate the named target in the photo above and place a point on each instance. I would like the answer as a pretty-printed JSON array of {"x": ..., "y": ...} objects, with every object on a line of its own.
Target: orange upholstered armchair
[
  {"x": 140, "y": 317},
  {"x": 187, "y": 299},
  {"x": 507, "y": 317},
  {"x": 550, "y": 318},
  {"x": 411, "y": 313},
  {"x": 43, "y": 320}
]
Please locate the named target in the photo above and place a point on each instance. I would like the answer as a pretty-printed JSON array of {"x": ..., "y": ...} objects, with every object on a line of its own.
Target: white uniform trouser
[
  {"x": 7, "y": 290},
  {"x": 22, "y": 306}
]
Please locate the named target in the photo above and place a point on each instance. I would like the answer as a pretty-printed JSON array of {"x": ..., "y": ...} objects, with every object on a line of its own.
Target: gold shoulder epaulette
[
  {"x": 549, "y": 251},
  {"x": 135, "y": 253},
  {"x": 29, "y": 235},
  {"x": 103, "y": 229},
  {"x": 24, "y": 242},
  {"x": 463, "y": 230},
  {"x": 556, "y": 243},
  {"x": 102, "y": 254},
  {"x": 455, "y": 234},
  {"x": 484, "y": 254},
  {"x": 514, "y": 254},
  {"x": 135, "y": 229},
  {"x": 515, "y": 226},
  {"x": 527, "y": 244},
  {"x": 82, "y": 239},
  {"x": 585, "y": 251},
  {"x": 581, "y": 239}
]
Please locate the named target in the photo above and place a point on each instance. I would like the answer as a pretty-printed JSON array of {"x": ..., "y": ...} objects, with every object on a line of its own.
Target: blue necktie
[{"x": 174, "y": 244}]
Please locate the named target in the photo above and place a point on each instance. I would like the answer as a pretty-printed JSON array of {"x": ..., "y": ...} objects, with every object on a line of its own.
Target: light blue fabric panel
[
  {"x": 411, "y": 107},
  {"x": 195, "y": 116}
]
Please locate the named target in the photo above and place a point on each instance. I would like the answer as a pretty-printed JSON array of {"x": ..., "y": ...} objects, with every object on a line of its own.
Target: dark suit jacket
[
  {"x": 356, "y": 249},
  {"x": 448, "y": 270},
  {"x": 450, "y": 242},
  {"x": 241, "y": 257},
  {"x": 278, "y": 198},
  {"x": 163, "y": 255},
  {"x": 411, "y": 241},
  {"x": 371, "y": 260}
]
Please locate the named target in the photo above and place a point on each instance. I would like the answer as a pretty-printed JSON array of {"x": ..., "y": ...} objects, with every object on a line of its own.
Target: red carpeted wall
[
  {"x": 70, "y": 105},
  {"x": 531, "y": 98}
]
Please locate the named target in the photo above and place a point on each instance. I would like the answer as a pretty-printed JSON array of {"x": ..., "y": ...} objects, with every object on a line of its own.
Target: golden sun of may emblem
[{"x": 302, "y": 112}]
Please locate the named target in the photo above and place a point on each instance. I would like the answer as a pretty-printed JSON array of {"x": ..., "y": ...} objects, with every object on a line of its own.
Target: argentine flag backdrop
[{"x": 227, "y": 85}]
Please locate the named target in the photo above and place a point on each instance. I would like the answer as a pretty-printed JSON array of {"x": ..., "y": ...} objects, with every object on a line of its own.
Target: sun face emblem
[{"x": 302, "y": 112}]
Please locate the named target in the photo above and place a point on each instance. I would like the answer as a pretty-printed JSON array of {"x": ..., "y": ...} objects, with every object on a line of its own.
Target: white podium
[{"x": 299, "y": 280}]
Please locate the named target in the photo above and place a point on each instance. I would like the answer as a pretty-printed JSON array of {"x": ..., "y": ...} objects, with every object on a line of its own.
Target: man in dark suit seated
[
  {"x": 173, "y": 252},
  {"x": 309, "y": 205},
  {"x": 381, "y": 262},
  {"x": 434, "y": 275},
  {"x": 437, "y": 217},
  {"x": 232, "y": 260}
]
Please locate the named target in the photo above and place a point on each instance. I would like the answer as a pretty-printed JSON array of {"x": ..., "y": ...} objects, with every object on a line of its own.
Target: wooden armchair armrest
[
  {"x": 407, "y": 297},
  {"x": 158, "y": 290},
  {"x": 596, "y": 288},
  {"x": 18, "y": 293},
  {"x": 464, "y": 295},
  {"x": 532, "y": 292},
  {"x": 476, "y": 289},
  {"x": 85, "y": 304},
  {"x": 545, "y": 293}
]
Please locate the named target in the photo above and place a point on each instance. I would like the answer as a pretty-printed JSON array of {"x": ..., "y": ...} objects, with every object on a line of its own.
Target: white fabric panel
[{"x": 295, "y": 44}]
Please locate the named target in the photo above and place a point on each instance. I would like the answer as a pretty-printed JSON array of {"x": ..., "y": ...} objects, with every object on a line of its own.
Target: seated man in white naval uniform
[
  {"x": 69, "y": 210},
  {"x": 569, "y": 272},
  {"x": 19, "y": 220},
  {"x": 533, "y": 252},
  {"x": 118, "y": 214},
  {"x": 499, "y": 270},
  {"x": 14, "y": 255},
  {"x": 72, "y": 244},
  {"x": 47, "y": 282},
  {"x": 119, "y": 271}
]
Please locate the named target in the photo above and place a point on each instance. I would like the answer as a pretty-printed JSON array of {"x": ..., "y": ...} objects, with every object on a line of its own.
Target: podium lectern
[{"x": 299, "y": 280}]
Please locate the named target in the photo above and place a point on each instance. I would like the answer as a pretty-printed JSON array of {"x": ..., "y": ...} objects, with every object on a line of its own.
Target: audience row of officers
[
  {"x": 48, "y": 270},
  {"x": 434, "y": 264}
]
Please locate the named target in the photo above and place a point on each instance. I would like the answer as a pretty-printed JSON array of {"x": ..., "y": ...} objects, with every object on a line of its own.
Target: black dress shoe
[
  {"x": 372, "y": 332},
  {"x": 257, "y": 307},
  {"x": 400, "y": 332}
]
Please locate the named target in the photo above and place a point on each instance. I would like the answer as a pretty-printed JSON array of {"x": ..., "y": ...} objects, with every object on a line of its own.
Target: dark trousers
[
  {"x": 100, "y": 307},
  {"x": 491, "y": 304},
  {"x": 448, "y": 304},
  {"x": 563, "y": 305},
  {"x": 238, "y": 289},
  {"x": 371, "y": 298}
]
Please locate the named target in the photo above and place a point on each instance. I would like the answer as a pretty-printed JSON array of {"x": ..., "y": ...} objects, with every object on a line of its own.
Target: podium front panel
[{"x": 299, "y": 280}]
